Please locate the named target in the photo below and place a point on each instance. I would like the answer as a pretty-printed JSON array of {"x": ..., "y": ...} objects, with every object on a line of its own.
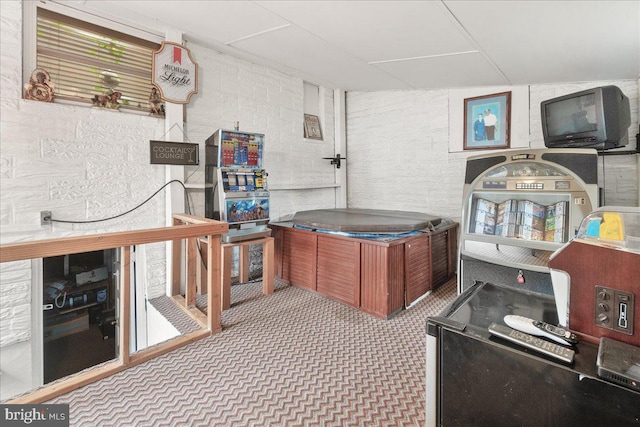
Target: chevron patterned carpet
[{"x": 290, "y": 359}]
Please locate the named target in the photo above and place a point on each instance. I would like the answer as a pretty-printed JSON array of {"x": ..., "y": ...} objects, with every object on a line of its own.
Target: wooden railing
[{"x": 185, "y": 228}]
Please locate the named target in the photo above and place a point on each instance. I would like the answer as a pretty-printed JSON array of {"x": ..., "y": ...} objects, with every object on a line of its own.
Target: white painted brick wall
[
  {"x": 398, "y": 153},
  {"x": 156, "y": 265},
  {"x": 265, "y": 101},
  {"x": 398, "y": 143},
  {"x": 15, "y": 302}
]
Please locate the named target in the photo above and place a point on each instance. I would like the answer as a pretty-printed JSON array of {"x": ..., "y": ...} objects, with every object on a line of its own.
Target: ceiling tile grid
[{"x": 390, "y": 45}]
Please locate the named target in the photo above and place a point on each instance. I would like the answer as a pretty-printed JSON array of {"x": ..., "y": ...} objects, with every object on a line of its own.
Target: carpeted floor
[{"x": 291, "y": 359}]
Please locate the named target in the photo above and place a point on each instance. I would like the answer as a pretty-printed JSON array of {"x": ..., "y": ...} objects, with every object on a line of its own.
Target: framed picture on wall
[
  {"x": 312, "y": 127},
  {"x": 487, "y": 121}
]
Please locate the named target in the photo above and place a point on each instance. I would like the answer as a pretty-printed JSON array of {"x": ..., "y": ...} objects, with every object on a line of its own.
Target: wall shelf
[
  {"x": 278, "y": 187},
  {"x": 285, "y": 187}
]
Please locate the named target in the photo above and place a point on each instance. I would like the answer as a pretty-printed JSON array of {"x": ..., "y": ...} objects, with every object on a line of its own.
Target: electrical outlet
[{"x": 45, "y": 217}]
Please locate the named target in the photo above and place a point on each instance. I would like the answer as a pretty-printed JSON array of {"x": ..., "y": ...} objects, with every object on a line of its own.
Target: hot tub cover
[{"x": 365, "y": 220}]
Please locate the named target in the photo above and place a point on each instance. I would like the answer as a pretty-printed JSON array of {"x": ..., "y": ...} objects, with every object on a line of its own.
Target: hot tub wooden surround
[{"x": 380, "y": 277}]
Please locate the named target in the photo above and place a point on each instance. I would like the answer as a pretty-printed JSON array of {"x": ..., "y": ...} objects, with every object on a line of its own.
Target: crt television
[{"x": 595, "y": 118}]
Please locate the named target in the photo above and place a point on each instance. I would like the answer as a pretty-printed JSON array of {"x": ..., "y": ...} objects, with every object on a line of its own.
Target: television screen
[
  {"x": 595, "y": 118},
  {"x": 572, "y": 115}
]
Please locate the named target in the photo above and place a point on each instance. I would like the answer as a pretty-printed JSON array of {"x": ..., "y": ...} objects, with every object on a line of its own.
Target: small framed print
[
  {"x": 487, "y": 121},
  {"x": 312, "y": 127}
]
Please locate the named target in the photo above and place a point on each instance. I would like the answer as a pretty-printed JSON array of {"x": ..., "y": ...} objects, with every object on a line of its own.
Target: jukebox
[
  {"x": 518, "y": 208},
  {"x": 237, "y": 190}
]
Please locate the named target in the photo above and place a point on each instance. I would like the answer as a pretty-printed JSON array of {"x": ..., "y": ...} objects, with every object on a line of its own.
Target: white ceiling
[{"x": 383, "y": 45}]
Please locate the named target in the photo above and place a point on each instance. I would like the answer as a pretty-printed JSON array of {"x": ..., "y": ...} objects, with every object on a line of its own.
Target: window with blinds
[{"x": 85, "y": 60}]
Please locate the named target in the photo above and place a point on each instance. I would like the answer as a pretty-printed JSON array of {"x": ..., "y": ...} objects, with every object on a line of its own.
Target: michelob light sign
[{"x": 174, "y": 73}]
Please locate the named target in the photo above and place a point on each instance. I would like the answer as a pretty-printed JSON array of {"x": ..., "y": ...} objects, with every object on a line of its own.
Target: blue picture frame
[{"x": 487, "y": 121}]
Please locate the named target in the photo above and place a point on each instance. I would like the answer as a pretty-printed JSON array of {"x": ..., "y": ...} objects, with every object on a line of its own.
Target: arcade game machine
[
  {"x": 518, "y": 208},
  {"x": 237, "y": 190}
]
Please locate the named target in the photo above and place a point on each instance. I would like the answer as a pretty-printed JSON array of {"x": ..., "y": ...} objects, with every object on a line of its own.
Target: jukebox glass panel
[{"x": 540, "y": 217}]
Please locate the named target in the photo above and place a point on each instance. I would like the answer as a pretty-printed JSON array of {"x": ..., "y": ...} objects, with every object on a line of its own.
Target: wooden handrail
[
  {"x": 187, "y": 227},
  {"x": 72, "y": 245}
]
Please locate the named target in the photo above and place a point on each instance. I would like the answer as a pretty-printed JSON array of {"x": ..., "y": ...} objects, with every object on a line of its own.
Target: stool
[{"x": 243, "y": 267}]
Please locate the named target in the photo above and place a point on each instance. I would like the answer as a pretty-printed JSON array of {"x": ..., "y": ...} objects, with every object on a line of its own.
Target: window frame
[{"x": 30, "y": 24}]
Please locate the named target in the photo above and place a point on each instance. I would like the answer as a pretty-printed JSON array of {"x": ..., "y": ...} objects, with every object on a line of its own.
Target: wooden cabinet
[
  {"x": 419, "y": 274},
  {"x": 378, "y": 277},
  {"x": 338, "y": 269},
  {"x": 296, "y": 257},
  {"x": 382, "y": 279},
  {"x": 444, "y": 254}
]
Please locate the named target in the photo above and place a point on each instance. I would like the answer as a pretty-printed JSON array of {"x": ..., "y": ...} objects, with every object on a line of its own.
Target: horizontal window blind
[{"x": 85, "y": 60}]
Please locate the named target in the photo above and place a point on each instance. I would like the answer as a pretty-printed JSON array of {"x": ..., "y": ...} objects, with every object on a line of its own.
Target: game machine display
[
  {"x": 518, "y": 208},
  {"x": 237, "y": 190}
]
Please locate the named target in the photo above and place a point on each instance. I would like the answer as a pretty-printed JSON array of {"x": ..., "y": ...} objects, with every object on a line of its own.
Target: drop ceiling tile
[
  {"x": 299, "y": 49},
  {"x": 446, "y": 72},
  {"x": 544, "y": 42},
  {"x": 222, "y": 21},
  {"x": 524, "y": 42},
  {"x": 377, "y": 30}
]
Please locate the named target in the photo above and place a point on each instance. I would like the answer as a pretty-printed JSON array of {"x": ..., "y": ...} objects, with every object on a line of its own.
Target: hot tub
[{"x": 378, "y": 261}]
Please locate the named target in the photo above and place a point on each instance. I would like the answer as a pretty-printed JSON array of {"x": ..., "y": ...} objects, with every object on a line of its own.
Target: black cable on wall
[{"x": 130, "y": 210}]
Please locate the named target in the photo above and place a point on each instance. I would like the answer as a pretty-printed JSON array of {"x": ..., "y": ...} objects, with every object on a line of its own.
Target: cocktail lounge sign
[
  {"x": 175, "y": 74},
  {"x": 173, "y": 153}
]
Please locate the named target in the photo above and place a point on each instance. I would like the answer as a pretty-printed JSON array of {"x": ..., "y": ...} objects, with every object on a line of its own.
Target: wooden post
[
  {"x": 225, "y": 275},
  {"x": 243, "y": 263},
  {"x": 190, "y": 275},
  {"x": 214, "y": 312},
  {"x": 268, "y": 266}
]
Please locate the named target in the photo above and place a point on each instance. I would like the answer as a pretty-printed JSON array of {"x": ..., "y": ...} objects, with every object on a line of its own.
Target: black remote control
[{"x": 556, "y": 351}]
